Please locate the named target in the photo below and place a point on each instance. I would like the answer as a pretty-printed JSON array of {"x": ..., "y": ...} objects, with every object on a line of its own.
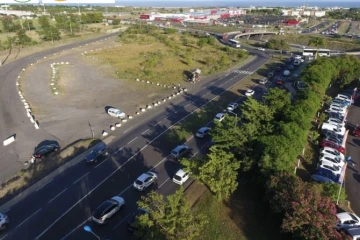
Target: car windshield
[
  {"x": 174, "y": 153},
  {"x": 138, "y": 182},
  {"x": 353, "y": 217},
  {"x": 100, "y": 211},
  {"x": 178, "y": 178}
]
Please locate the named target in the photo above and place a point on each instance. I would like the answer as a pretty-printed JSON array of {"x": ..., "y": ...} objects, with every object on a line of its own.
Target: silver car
[
  {"x": 4, "y": 221},
  {"x": 107, "y": 209},
  {"x": 144, "y": 181}
]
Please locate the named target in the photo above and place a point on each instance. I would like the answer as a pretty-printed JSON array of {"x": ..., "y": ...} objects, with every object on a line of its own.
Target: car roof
[
  {"x": 220, "y": 115},
  {"x": 99, "y": 211},
  {"x": 232, "y": 103},
  {"x": 203, "y": 129},
  {"x": 144, "y": 176},
  {"x": 114, "y": 109},
  {"x": 180, "y": 147},
  {"x": 344, "y": 216},
  {"x": 180, "y": 172}
]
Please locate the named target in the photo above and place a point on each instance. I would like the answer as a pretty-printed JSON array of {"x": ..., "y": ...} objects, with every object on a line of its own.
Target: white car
[
  {"x": 144, "y": 181},
  {"x": 4, "y": 221},
  {"x": 202, "y": 132},
  {"x": 347, "y": 220},
  {"x": 232, "y": 106},
  {"x": 114, "y": 112},
  {"x": 334, "y": 120},
  {"x": 331, "y": 151},
  {"x": 343, "y": 97},
  {"x": 249, "y": 93},
  {"x": 336, "y": 169},
  {"x": 297, "y": 57},
  {"x": 181, "y": 177},
  {"x": 335, "y": 160},
  {"x": 336, "y": 109},
  {"x": 107, "y": 209},
  {"x": 219, "y": 117},
  {"x": 263, "y": 81},
  {"x": 286, "y": 73},
  {"x": 338, "y": 106},
  {"x": 261, "y": 49}
]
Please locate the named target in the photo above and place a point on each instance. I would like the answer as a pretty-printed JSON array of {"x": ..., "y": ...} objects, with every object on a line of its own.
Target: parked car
[
  {"x": 270, "y": 74},
  {"x": 180, "y": 151},
  {"x": 346, "y": 220},
  {"x": 133, "y": 216},
  {"x": 341, "y": 125},
  {"x": 181, "y": 177},
  {"x": 321, "y": 179},
  {"x": 144, "y": 181},
  {"x": 334, "y": 120},
  {"x": 354, "y": 233},
  {"x": 4, "y": 221},
  {"x": 333, "y": 146},
  {"x": 279, "y": 82},
  {"x": 343, "y": 97},
  {"x": 261, "y": 49},
  {"x": 337, "y": 115},
  {"x": 338, "y": 129},
  {"x": 263, "y": 81},
  {"x": 202, "y": 132},
  {"x": 291, "y": 67},
  {"x": 330, "y": 166},
  {"x": 336, "y": 109},
  {"x": 232, "y": 106},
  {"x": 328, "y": 150},
  {"x": 114, "y": 112},
  {"x": 219, "y": 117},
  {"x": 249, "y": 92},
  {"x": 334, "y": 139},
  {"x": 107, "y": 209},
  {"x": 42, "y": 151},
  {"x": 277, "y": 69},
  {"x": 328, "y": 174},
  {"x": 286, "y": 73},
  {"x": 356, "y": 131},
  {"x": 339, "y": 101},
  {"x": 95, "y": 155},
  {"x": 334, "y": 160}
]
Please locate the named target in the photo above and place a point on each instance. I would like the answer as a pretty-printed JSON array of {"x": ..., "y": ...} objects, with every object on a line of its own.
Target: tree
[
  {"x": 317, "y": 42},
  {"x": 307, "y": 214},
  {"x": 22, "y": 38},
  {"x": 172, "y": 218},
  {"x": 278, "y": 101},
  {"x": 9, "y": 25},
  {"x": 44, "y": 22},
  {"x": 218, "y": 171},
  {"x": 50, "y": 34}
]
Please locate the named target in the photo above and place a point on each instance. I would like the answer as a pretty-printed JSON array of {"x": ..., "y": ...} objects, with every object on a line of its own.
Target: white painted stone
[
  {"x": 159, "y": 102},
  {"x": 155, "y": 104},
  {"x": 118, "y": 124},
  {"x": 124, "y": 120},
  {"x": 9, "y": 140},
  {"x": 19, "y": 77},
  {"x": 104, "y": 133},
  {"x": 23, "y": 100},
  {"x": 56, "y": 93},
  {"x": 169, "y": 97},
  {"x": 112, "y": 128},
  {"x": 147, "y": 81},
  {"x": 28, "y": 110},
  {"x": 185, "y": 89},
  {"x": 174, "y": 87},
  {"x": 148, "y": 106},
  {"x": 137, "y": 80},
  {"x": 54, "y": 88},
  {"x": 137, "y": 113},
  {"x": 143, "y": 109},
  {"x": 32, "y": 119},
  {"x": 67, "y": 63},
  {"x": 28, "y": 114},
  {"x": 130, "y": 117},
  {"x": 158, "y": 84},
  {"x": 164, "y": 100},
  {"x": 36, "y": 125},
  {"x": 17, "y": 84},
  {"x": 52, "y": 84}
]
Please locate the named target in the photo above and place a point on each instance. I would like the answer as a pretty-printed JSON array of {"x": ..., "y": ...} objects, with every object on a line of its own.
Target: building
[{"x": 302, "y": 12}]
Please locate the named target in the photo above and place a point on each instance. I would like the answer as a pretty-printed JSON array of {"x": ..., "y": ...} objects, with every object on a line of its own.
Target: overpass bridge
[{"x": 248, "y": 34}]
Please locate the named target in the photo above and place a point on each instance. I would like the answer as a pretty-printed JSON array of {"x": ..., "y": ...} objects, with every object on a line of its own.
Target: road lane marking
[
  {"x": 57, "y": 195},
  {"x": 75, "y": 228},
  {"x": 121, "y": 221},
  {"x": 98, "y": 165},
  {"x": 170, "y": 127},
  {"x": 128, "y": 129},
  {"x": 3, "y": 237},
  {"x": 81, "y": 177},
  {"x": 132, "y": 140},
  {"x": 28, "y": 218},
  {"x": 221, "y": 84},
  {"x": 145, "y": 131},
  {"x": 44, "y": 185},
  {"x": 118, "y": 150},
  {"x": 163, "y": 183},
  {"x": 6, "y": 212}
]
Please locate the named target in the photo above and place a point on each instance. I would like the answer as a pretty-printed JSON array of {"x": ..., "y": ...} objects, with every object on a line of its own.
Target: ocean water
[{"x": 227, "y": 3}]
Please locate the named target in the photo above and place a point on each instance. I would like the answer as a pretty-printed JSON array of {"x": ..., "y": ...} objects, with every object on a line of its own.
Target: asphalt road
[
  {"x": 352, "y": 177},
  {"x": 13, "y": 118},
  {"x": 68, "y": 200}
]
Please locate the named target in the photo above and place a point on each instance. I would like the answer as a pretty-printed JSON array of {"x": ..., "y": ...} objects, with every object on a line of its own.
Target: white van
[
  {"x": 114, "y": 112},
  {"x": 338, "y": 129}
]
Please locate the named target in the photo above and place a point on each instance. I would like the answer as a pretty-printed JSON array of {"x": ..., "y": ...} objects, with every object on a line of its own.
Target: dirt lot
[{"x": 85, "y": 89}]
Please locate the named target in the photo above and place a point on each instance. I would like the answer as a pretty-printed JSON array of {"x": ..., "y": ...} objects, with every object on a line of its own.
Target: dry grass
[
  {"x": 344, "y": 26},
  {"x": 172, "y": 62},
  {"x": 34, "y": 173}
]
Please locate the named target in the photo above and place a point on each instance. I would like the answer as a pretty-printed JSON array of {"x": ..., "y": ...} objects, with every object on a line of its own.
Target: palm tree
[{"x": 317, "y": 42}]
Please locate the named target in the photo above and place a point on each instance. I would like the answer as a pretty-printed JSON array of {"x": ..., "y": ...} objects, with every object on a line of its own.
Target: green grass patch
[
  {"x": 344, "y": 26},
  {"x": 168, "y": 58}
]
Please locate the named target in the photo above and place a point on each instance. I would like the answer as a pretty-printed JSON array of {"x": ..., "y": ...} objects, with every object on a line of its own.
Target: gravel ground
[{"x": 85, "y": 89}]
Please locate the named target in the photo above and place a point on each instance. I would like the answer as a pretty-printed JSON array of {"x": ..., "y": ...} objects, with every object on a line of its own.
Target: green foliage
[
  {"x": 218, "y": 171},
  {"x": 22, "y": 38},
  {"x": 50, "y": 34},
  {"x": 9, "y": 25},
  {"x": 116, "y": 22},
  {"x": 44, "y": 22},
  {"x": 95, "y": 17},
  {"x": 278, "y": 44},
  {"x": 332, "y": 191},
  {"x": 170, "y": 30},
  {"x": 171, "y": 219}
]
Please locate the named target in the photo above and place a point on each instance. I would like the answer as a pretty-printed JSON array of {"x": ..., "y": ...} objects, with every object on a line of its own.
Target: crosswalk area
[{"x": 242, "y": 72}]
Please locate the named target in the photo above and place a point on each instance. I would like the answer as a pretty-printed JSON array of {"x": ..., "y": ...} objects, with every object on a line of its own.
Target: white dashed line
[
  {"x": 132, "y": 140},
  {"x": 44, "y": 185},
  {"x": 81, "y": 177},
  {"x": 57, "y": 195},
  {"x": 186, "y": 105},
  {"x": 76, "y": 228},
  {"x": 128, "y": 129},
  {"x": 145, "y": 131},
  {"x": 3, "y": 237},
  {"x": 164, "y": 183},
  {"x": 28, "y": 218},
  {"x": 101, "y": 162}
]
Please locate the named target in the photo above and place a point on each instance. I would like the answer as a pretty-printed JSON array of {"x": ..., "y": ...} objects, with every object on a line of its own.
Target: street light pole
[{"x": 88, "y": 229}]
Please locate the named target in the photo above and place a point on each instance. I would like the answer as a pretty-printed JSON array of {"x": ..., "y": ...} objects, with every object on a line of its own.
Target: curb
[{"x": 45, "y": 180}]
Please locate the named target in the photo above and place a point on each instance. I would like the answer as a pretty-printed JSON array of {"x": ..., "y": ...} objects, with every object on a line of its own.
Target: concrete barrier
[{"x": 9, "y": 140}]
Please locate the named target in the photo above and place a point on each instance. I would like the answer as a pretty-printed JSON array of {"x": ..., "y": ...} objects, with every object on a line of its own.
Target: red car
[
  {"x": 356, "y": 131},
  {"x": 279, "y": 82},
  {"x": 333, "y": 145}
]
